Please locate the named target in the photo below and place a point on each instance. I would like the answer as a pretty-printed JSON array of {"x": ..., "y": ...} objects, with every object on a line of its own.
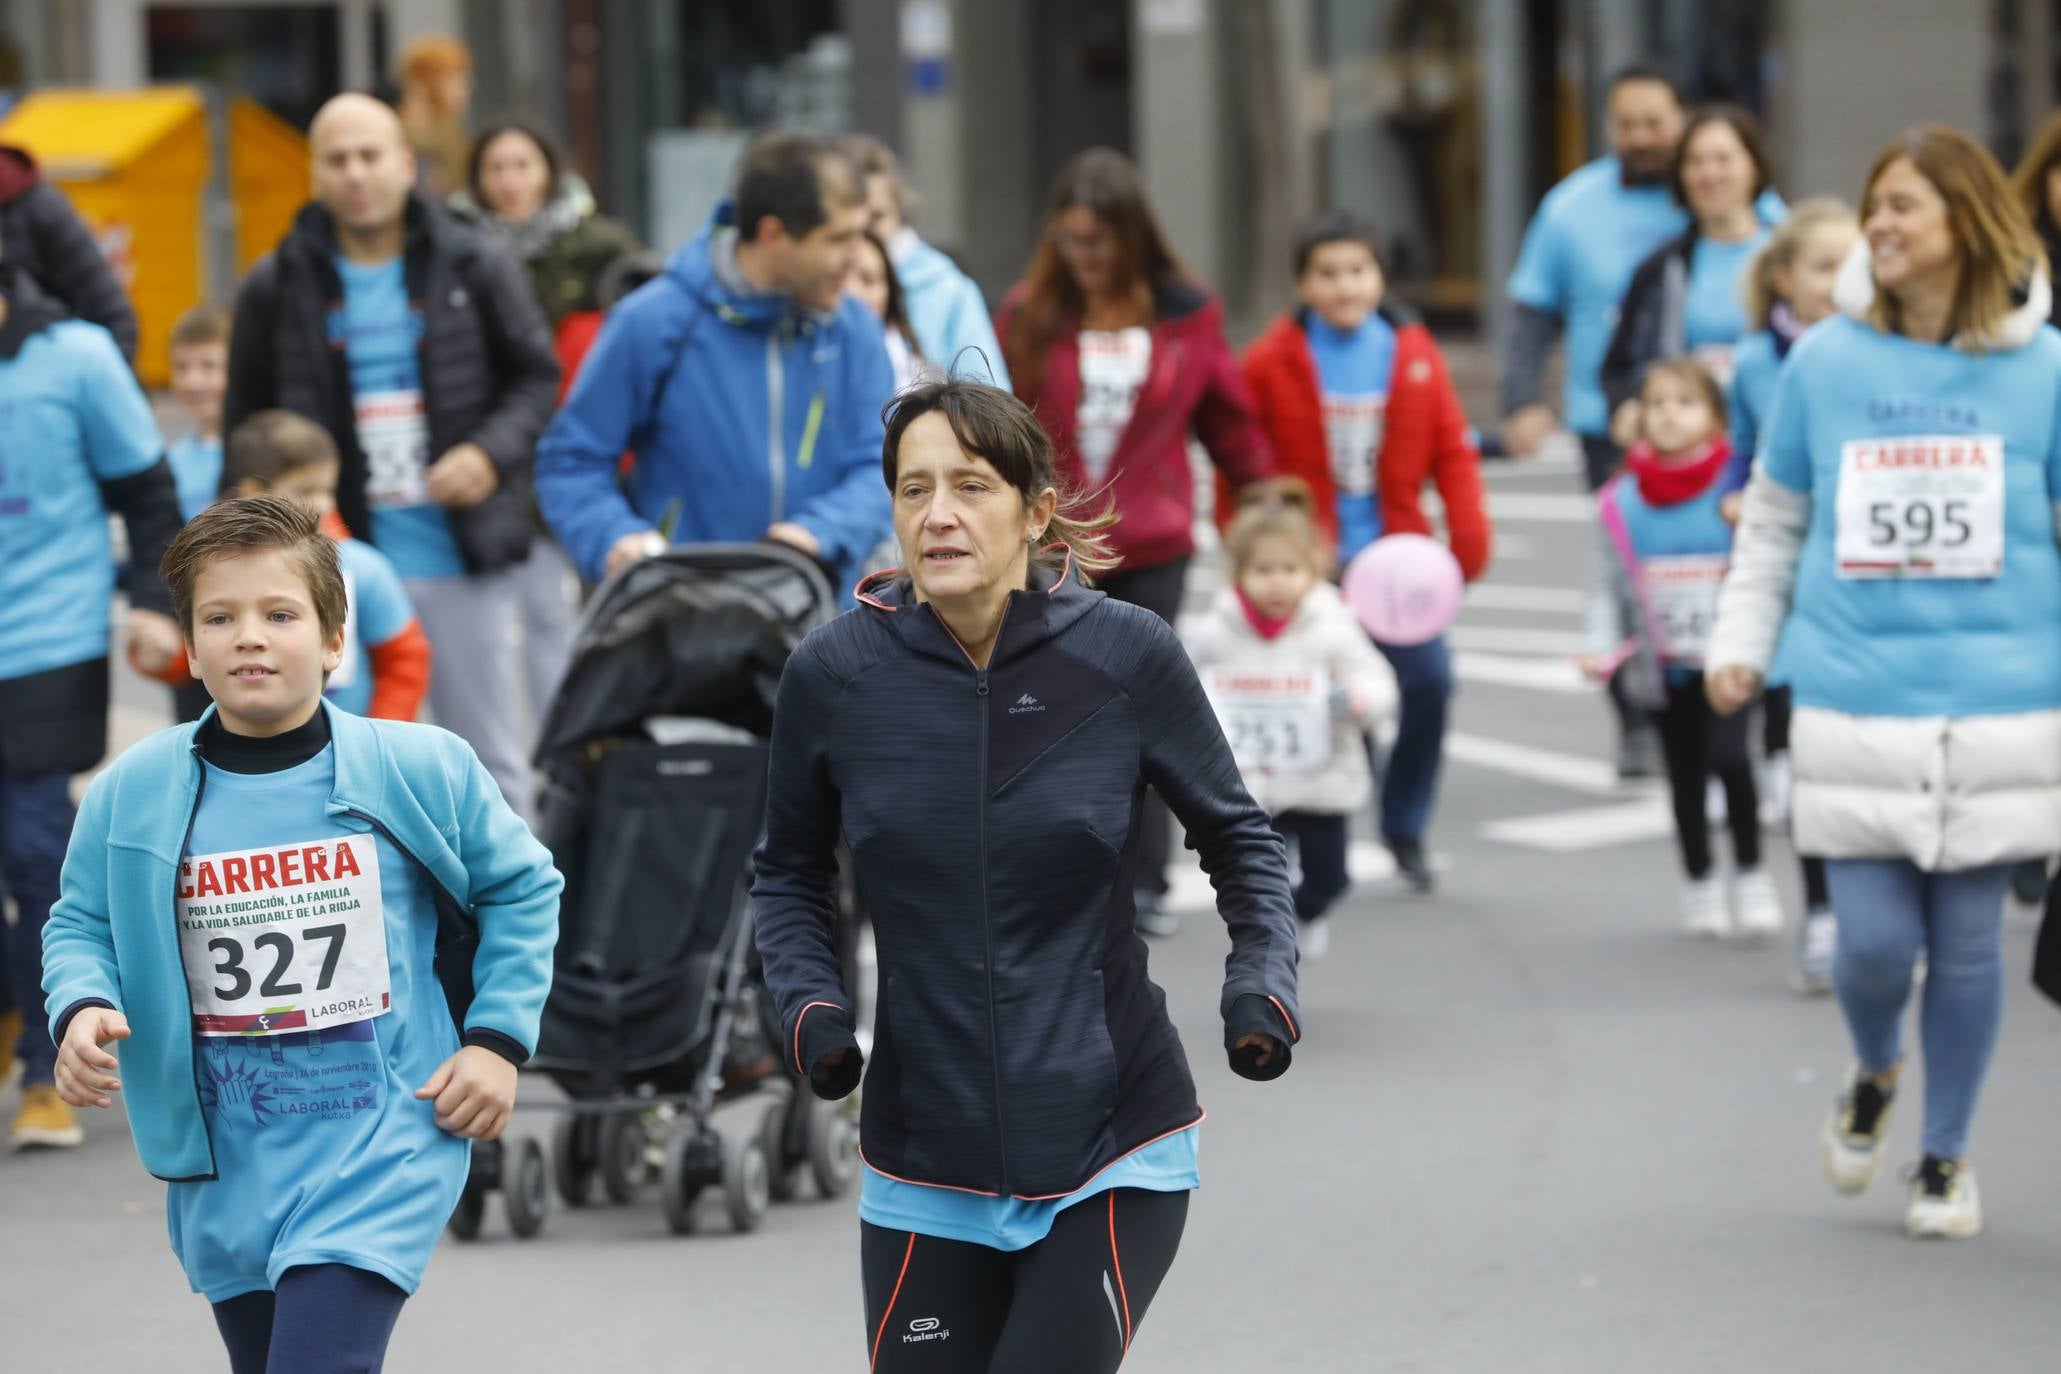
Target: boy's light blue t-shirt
[
  {"x": 376, "y": 609},
  {"x": 1167, "y": 1165},
  {"x": 197, "y": 472},
  {"x": 1353, "y": 375},
  {"x": 381, "y": 330},
  {"x": 71, "y": 417},
  {"x": 322, "y": 1153}
]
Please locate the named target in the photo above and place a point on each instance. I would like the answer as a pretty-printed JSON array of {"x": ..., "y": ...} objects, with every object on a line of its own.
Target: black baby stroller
[{"x": 654, "y": 761}]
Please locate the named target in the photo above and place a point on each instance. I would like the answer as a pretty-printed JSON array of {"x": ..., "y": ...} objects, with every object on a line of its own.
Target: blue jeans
[
  {"x": 1409, "y": 785},
  {"x": 1888, "y": 910},
  {"x": 35, "y": 827}
]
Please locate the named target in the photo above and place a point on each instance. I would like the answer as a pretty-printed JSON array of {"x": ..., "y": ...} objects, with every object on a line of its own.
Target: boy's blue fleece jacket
[
  {"x": 691, "y": 375},
  {"x": 113, "y": 936}
]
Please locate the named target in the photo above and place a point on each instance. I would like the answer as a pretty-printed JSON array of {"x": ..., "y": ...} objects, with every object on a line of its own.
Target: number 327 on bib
[
  {"x": 287, "y": 938},
  {"x": 1928, "y": 507}
]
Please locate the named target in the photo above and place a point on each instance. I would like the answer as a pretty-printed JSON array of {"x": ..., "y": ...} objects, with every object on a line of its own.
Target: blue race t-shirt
[
  {"x": 71, "y": 417},
  {"x": 376, "y": 609},
  {"x": 197, "y": 471},
  {"x": 1167, "y": 1165},
  {"x": 1714, "y": 315},
  {"x": 1353, "y": 372},
  {"x": 322, "y": 1153},
  {"x": 381, "y": 330},
  {"x": 1590, "y": 234}
]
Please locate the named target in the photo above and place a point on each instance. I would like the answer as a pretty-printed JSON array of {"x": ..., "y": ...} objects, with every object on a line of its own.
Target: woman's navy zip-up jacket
[{"x": 1019, "y": 1046}]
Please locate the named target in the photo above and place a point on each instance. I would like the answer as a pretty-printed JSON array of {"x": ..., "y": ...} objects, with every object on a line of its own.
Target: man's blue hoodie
[{"x": 691, "y": 372}]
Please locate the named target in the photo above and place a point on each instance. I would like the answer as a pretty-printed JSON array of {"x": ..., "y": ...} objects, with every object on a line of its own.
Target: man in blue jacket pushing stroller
[{"x": 745, "y": 384}]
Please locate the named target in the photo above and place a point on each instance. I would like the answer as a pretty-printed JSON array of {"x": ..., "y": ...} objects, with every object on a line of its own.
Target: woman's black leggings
[
  {"x": 1699, "y": 744},
  {"x": 1072, "y": 1302}
]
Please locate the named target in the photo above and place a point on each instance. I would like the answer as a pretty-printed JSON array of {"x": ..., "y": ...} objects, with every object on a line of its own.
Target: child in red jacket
[{"x": 1357, "y": 402}]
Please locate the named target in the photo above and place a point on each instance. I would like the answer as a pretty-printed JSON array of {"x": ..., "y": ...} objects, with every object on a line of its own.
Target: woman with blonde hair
[
  {"x": 1787, "y": 289},
  {"x": 1899, "y": 539}
]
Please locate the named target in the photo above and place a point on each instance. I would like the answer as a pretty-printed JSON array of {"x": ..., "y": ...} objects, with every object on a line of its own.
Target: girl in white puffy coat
[{"x": 1296, "y": 684}]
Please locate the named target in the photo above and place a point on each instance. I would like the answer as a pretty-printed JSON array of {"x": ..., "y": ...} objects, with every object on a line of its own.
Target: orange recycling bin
[
  {"x": 269, "y": 165},
  {"x": 135, "y": 165}
]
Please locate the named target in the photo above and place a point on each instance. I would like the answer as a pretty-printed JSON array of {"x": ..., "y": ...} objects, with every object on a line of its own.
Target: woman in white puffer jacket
[
  {"x": 1296, "y": 684},
  {"x": 1899, "y": 538}
]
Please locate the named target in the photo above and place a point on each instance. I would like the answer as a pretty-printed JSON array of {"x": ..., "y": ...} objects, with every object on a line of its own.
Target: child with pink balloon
[
  {"x": 1296, "y": 684},
  {"x": 1664, "y": 548}
]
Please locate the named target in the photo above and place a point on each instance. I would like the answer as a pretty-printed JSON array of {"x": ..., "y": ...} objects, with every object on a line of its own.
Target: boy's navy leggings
[{"x": 322, "y": 1319}]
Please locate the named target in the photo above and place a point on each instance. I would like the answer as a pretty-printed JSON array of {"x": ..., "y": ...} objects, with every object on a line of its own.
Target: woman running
[{"x": 982, "y": 729}]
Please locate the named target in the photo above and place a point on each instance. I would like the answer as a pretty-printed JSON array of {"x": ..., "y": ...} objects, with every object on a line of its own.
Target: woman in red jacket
[
  {"x": 1355, "y": 398},
  {"x": 1122, "y": 355}
]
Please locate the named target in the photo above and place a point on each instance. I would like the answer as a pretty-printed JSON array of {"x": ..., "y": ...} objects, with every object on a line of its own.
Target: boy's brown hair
[
  {"x": 252, "y": 524},
  {"x": 204, "y": 324},
  {"x": 272, "y": 443}
]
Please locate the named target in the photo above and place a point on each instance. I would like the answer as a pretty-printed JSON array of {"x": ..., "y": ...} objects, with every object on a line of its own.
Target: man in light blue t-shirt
[{"x": 1590, "y": 234}]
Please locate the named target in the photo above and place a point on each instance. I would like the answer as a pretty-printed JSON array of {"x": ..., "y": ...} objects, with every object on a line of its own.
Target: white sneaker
[
  {"x": 1855, "y": 1136},
  {"x": 1817, "y": 940},
  {"x": 1704, "y": 912},
  {"x": 1315, "y": 938},
  {"x": 1944, "y": 1202},
  {"x": 1777, "y": 786},
  {"x": 1756, "y": 906}
]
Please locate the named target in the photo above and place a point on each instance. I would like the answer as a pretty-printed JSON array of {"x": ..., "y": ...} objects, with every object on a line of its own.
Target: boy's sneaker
[
  {"x": 10, "y": 1036},
  {"x": 1315, "y": 938},
  {"x": 1756, "y": 905},
  {"x": 1412, "y": 865},
  {"x": 1152, "y": 916},
  {"x": 1817, "y": 939},
  {"x": 1704, "y": 913},
  {"x": 1944, "y": 1202},
  {"x": 44, "y": 1121},
  {"x": 1852, "y": 1143}
]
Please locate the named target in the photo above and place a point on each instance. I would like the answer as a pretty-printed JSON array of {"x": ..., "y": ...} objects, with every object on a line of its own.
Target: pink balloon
[{"x": 1405, "y": 588}]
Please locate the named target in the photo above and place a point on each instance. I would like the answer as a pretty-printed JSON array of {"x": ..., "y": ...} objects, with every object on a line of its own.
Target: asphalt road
[{"x": 1531, "y": 1128}]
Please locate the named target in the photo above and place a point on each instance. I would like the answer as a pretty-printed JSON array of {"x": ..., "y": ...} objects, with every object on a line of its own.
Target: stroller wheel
[
  {"x": 527, "y": 1189},
  {"x": 687, "y": 1172},
  {"x": 833, "y": 1148},
  {"x": 471, "y": 1210},
  {"x": 575, "y": 1156},
  {"x": 625, "y": 1151},
  {"x": 783, "y": 1179},
  {"x": 747, "y": 1183}
]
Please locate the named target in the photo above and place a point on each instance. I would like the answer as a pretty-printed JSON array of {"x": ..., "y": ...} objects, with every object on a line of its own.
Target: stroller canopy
[{"x": 701, "y": 630}]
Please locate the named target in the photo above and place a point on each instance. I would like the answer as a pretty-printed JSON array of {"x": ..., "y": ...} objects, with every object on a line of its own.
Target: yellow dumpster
[
  {"x": 269, "y": 165},
  {"x": 135, "y": 166}
]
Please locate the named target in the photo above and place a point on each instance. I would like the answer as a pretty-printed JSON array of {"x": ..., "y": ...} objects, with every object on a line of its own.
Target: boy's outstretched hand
[
  {"x": 85, "y": 1070},
  {"x": 474, "y": 1092}
]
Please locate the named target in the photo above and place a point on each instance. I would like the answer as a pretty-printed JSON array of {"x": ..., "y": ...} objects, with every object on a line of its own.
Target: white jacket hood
[{"x": 1854, "y": 294}]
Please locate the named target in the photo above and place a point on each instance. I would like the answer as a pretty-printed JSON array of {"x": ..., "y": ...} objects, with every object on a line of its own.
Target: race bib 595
[{"x": 1924, "y": 506}]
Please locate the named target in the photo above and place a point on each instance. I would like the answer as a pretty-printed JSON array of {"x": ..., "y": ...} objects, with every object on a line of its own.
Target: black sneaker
[
  {"x": 1411, "y": 865},
  {"x": 1851, "y": 1145}
]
